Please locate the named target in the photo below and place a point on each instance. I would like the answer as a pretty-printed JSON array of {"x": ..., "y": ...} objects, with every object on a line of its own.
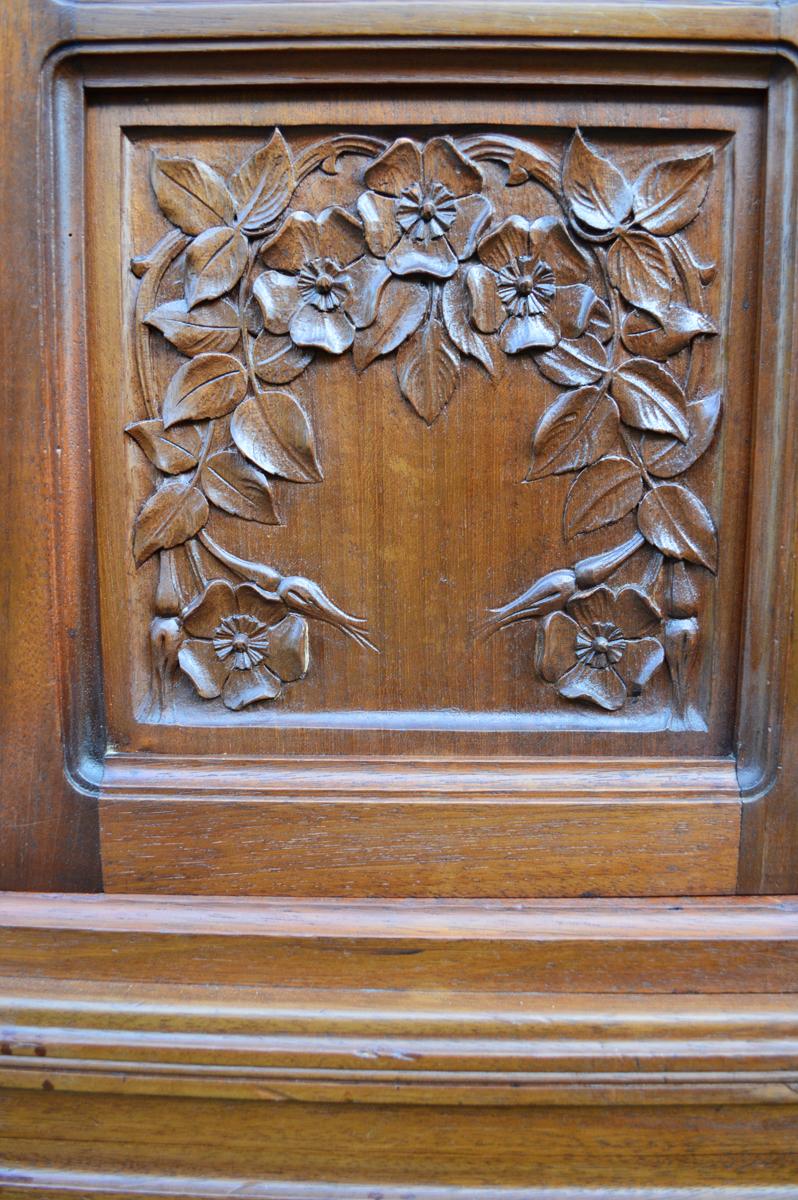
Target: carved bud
[
  {"x": 682, "y": 595},
  {"x": 681, "y": 647},
  {"x": 599, "y": 567},
  {"x": 167, "y": 593},
  {"x": 166, "y": 638},
  {"x": 551, "y": 591}
]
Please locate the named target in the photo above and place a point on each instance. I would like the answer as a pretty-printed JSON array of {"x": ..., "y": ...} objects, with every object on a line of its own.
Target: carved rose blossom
[
  {"x": 423, "y": 213},
  {"x": 324, "y": 285},
  {"x": 601, "y": 650},
  {"x": 242, "y": 645},
  {"x": 530, "y": 285}
]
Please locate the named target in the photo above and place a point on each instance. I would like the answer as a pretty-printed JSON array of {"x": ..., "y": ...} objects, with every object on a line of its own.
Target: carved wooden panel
[
  {"x": 438, "y": 260},
  {"x": 431, "y": 551}
]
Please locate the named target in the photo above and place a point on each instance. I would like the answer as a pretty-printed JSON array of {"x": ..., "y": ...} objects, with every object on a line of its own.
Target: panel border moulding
[{"x": 745, "y": 808}]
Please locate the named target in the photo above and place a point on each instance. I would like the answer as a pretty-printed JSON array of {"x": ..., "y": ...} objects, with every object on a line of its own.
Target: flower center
[
  {"x": 240, "y": 641},
  {"x": 600, "y": 646},
  {"x": 323, "y": 284},
  {"x": 526, "y": 286},
  {"x": 425, "y": 212}
]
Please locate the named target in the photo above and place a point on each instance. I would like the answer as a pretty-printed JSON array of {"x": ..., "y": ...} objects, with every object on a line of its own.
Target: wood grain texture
[
  {"x": 422, "y": 848},
  {"x": 50, "y": 836},
  {"x": 653, "y": 946},
  {"x": 157, "y": 1046},
  {"x": 738, "y": 65}
]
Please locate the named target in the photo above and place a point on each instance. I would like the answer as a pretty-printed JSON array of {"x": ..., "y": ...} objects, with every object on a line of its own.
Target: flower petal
[
  {"x": 379, "y": 222},
  {"x": 368, "y": 277},
  {"x": 252, "y": 601},
  {"x": 340, "y": 236},
  {"x": 289, "y": 652},
  {"x": 634, "y": 613},
  {"x": 204, "y": 668},
  {"x": 443, "y": 163},
  {"x": 436, "y": 258},
  {"x": 487, "y": 310},
  {"x": 472, "y": 215},
  {"x": 202, "y": 616},
  {"x": 278, "y": 297},
  {"x": 571, "y": 307},
  {"x": 529, "y": 333},
  {"x": 596, "y": 605},
  {"x": 397, "y": 167},
  {"x": 555, "y": 647},
  {"x": 603, "y": 688},
  {"x": 507, "y": 242},
  {"x": 640, "y": 660},
  {"x": 245, "y": 687},
  {"x": 554, "y": 243},
  {"x": 331, "y": 331},
  {"x": 296, "y": 243}
]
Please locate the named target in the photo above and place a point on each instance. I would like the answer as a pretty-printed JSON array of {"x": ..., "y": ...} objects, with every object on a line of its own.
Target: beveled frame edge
[{"x": 761, "y": 689}]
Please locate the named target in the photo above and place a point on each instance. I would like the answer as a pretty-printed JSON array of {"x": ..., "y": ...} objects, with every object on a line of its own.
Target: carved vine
[{"x": 601, "y": 296}]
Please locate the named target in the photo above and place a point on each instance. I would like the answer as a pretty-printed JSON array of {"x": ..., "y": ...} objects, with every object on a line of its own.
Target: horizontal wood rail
[{"x": 335, "y": 1050}]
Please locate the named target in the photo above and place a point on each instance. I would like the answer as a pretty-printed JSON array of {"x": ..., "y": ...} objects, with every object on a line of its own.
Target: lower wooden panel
[
  {"x": 311, "y": 1050},
  {"x": 390, "y": 829}
]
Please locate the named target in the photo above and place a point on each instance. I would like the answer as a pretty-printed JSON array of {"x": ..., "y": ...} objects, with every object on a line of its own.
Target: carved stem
[
  {"x": 265, "y": 577},
  {"x": 151, "y": 268},
  {"x": 332, "y": 148}
]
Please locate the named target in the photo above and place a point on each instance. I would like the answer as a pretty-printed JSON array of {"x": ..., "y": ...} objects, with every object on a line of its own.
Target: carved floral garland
[{"x": 601, "y": 297}]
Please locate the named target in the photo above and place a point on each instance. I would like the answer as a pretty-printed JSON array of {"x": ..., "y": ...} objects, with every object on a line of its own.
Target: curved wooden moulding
[{"x": 308, "y": 1050}]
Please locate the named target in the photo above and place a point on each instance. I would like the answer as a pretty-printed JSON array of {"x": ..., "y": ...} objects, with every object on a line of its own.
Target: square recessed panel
[{"x": 437, "y": 433}]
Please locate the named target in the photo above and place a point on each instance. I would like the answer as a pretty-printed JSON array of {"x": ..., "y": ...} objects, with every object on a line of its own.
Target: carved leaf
[
  {"x": 602, "y": 494},
  {"x": 666, "y": 457},
  {"x": 197, "y": 331},
  {"x": 666, "y": 334},
  {"x": 277, "y": 359},
  {"x": 596, "y": 190},
  {"x": 427, "y": 367},
  {"x": 232, "y": 484},
  {"x": 172, "y": 515},
  {"x": 263, "y": 186},
  {"x": 210, "y": 385},
  {"x": 455, "y": 308},
  {"x": 640, "y": 268},
  {"x": 575, "y": 430},
  {"x": 400, "y": 313},
  {"x": 215, "y": 262},
  {"x": 171, "y": 453},
  {"x": 668, "y": 195},
  {"x": 574, "y": 363},
  {"x": 674, "y": 520},
  {"x": 191, "y": 194},
  {"x": 650, "y": 398},
  {"x": 273, "y": 431}
]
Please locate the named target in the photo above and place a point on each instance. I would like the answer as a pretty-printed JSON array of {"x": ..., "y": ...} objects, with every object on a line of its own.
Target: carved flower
[
  {"x": 324, "y": 285},
  {"x": 423, "y": 213},
  {"x": 601, "y": 650},
  {"x": 531, "y": 285},
  {"x": 241, "y": 644}
]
